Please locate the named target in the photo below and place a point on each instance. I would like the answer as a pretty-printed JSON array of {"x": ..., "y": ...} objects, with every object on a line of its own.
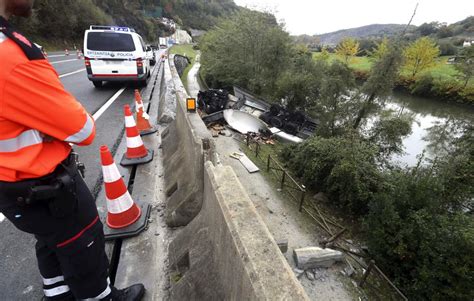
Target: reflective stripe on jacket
[{"x": 38, "y": 117}]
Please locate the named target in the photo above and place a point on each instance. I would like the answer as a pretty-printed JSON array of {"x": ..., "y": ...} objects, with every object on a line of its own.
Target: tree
[
  {"x": 249, "y": 49},
  {"x": 447, "y": 48},
  {"x": 343, "y": 167},
  {"x": 427, "y": 250},
  {"x": 365, "y": 46},
  {"x": 324, "y": 55},
  {"x": 387, "y": 133},
  {"x": 465, "y": 66},
  {"x": 299, "y": 85},
  {"x": 420, "y": 55},
  {"x": 347, "y": 49},
  {"x": 381, "y": 81},
  {"x": 427, "y": 29},
  {"x": 335, "y": 108},
  {"x": 379, "y": 50},
  {"x": 444, "y": 32}
]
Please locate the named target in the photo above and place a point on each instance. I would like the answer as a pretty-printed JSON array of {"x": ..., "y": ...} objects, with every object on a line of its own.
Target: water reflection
[{"x": 433, "y": 120}]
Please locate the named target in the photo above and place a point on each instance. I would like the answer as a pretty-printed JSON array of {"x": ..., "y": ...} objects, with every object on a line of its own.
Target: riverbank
[{"x": 439, "y": 82}]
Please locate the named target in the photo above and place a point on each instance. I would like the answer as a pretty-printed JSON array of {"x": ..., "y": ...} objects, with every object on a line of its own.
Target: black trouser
[{"x": 70, "y": 248}]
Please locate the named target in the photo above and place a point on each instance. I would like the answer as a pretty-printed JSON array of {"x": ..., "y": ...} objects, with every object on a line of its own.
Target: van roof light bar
[{"x": 112, "y": 28}]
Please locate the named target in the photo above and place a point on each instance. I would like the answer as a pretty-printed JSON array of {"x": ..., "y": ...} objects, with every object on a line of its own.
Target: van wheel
[{"x": 98, "y": 83}]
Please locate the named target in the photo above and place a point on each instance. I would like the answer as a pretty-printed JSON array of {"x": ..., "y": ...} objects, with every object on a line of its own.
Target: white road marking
[
  {"x": 2, "y": 217},
  {"x": 111, "y": 101},
  {"x": 71, "y": 73},
  {"x": 108, "y": 104},
  {"x": 65, "y": 61},
  {"x": 56, "y": 55}
]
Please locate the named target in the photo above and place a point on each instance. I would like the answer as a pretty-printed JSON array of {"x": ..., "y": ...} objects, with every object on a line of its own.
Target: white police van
[{"x": 114, "y": 53}]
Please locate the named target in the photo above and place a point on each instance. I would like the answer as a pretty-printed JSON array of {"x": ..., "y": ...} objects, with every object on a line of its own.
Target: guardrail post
[
  {"x": 268, "y": 163},
  {"x": 257, "y": 149},
  {"x": 283, "y": 179},
  {"x": 366, "y": 274},
  {"x": 248, "y": 139},
  {"x": 303, "y": 192}
]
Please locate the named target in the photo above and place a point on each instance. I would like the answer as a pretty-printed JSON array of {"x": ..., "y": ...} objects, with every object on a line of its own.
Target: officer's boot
[{"x": 132, "y": 293}]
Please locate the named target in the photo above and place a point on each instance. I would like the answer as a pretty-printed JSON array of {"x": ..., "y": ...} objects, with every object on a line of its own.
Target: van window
[
  {"x": 143, "y": 44},
  {"x": 110, "y": 41}
]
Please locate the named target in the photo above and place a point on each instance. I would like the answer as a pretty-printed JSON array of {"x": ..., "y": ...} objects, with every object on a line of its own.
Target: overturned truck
[{"x": 290, "y": 126}]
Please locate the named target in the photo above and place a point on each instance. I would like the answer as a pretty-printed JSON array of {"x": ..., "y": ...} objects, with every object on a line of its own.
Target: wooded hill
[
  {"x": 454, "y": 33},
  {"x": 368, "y": 31},
  {"x": 61, "y": 23}
]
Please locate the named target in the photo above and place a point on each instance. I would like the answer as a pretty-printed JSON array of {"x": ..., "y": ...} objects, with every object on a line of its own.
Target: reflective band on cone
[
  {"x": 136, "y": 150},
  {"x": 121, "y": 209},
  {"x": 143, "y": 123},
  {"x": 135, "y": 146}
]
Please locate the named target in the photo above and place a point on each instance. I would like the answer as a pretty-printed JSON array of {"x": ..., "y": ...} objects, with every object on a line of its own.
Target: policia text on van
[{"x": 115, "y": 54}]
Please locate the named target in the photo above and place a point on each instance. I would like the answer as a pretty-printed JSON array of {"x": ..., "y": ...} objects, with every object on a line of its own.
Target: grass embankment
[
  {"x": 364, "y": 63},
  {"x": 188, "y": 51},
  {"x": 445, "y": 80}
]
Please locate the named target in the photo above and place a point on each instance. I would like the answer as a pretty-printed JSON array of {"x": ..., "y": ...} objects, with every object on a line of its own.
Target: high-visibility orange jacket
[{"x": 38, "y": 117}]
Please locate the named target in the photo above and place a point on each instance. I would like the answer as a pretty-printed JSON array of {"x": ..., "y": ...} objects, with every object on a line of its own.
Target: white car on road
[{"x": 114, "y": 53}]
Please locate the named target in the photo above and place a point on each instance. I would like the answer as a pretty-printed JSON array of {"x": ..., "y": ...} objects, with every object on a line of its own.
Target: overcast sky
[{"x": 316, "y": 17}]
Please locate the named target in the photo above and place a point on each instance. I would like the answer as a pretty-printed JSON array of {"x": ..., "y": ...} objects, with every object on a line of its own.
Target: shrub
[
  {"x": 447, "y": 48},
  {"x": 422, "y": 86},
  {"x": 468, "y": 94},
  {"x": 343, "y": 167},
  {"x": 447, "y": 90},
  {"x": 427, "y": 251}
]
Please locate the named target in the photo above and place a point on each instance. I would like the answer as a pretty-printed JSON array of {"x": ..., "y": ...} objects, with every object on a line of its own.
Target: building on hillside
[{"x": 468, "y": 43}]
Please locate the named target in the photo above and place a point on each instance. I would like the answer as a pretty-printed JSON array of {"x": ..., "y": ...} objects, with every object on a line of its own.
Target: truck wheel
[
  {"x": 276, "y": 122},
  {"x": 98, "y": 83}
]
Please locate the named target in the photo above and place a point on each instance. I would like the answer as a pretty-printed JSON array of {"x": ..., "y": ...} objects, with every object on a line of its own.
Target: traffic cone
[
  {"x": 143, "y": 125},
  {"x": 66, "y": 52},
  {"x": 121, "y": 209},
  {"x": 136, "y": 150},
  {"x": 79, "y": 54}
]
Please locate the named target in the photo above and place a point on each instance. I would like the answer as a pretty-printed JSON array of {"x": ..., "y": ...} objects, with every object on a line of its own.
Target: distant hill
[
  {"x": 368, "y": 31},
  {"x": 72, "y": 18},
  {"x": 199, "y": 14}
]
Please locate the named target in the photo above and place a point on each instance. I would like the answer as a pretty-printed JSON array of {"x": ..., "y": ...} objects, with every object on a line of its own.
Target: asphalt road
[{"x": 19, "y": 276}]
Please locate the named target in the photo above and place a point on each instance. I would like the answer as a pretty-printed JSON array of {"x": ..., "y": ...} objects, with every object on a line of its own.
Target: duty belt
[{"x": 59, "y": 184}]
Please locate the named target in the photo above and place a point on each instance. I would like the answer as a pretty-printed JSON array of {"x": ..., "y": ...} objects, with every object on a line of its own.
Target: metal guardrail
[{"x": 330, "y": 226}]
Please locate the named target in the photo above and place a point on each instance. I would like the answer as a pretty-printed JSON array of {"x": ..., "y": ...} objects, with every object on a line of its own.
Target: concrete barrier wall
[
  {"x": 186, "y": 142},
  {"x": 225, "y": 252}
]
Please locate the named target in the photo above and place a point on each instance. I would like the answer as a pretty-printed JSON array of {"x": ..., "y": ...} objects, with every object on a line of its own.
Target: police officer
[{"x": 41, "y": 190}]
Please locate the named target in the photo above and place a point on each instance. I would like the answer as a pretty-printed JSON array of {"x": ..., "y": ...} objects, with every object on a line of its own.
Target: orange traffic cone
[
  {"x": 121, "y": 209},
  {"x": 79, "y": 54},
  {"x": 136, "y": 150},
  {"x": 143, "y": 124},
  {"x": 66, "y": 52}
]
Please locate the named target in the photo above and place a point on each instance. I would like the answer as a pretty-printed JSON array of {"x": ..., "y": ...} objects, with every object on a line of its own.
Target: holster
[{"x": 57, "y": 190}]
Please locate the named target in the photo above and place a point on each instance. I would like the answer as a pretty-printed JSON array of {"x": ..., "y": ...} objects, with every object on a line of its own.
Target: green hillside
[
  {"x": 61, "y": 23},
  {"x": 453, "y": 34}
]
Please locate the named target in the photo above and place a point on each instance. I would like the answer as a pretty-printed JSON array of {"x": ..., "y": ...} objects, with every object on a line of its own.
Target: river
[{"x": 427, "y": 113}]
